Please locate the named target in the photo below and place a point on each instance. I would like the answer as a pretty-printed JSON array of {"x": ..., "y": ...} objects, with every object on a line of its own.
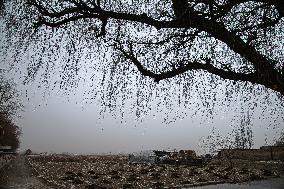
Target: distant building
[
  {"x": 142, "y": 157},
  {"x": 265, "y": 153}
]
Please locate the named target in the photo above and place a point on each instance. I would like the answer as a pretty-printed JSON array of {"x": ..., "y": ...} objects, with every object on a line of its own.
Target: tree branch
[
  {"x": 266, "y": 73},
  {"x": 182, "y": 69},
  {"x": 254, "y": 78}
]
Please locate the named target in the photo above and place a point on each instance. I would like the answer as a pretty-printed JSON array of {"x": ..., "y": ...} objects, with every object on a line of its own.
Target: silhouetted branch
[{"x": 188, "y": 18}]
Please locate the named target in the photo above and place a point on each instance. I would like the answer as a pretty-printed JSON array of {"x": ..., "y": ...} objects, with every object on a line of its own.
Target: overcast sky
[
  {"x": 61, "y": 123},
  {"x": 57, "y": 122}
]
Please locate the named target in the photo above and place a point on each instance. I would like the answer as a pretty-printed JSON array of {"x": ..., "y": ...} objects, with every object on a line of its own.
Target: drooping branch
[
  {"x": 279, "y": 5},
  {"x": 264, "y": 74},
  {"x": 224, "y": 74},
  {"x": 254, "y": 78}
]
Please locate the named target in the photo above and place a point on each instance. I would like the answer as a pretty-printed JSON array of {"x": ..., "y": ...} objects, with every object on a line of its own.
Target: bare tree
[
  {"x": 10, "y": 106},
  {"x": 10, "y": 103},
  {"x": 215, "y": 142},
  {"x": 242, "y": 134},
  {"x": 241, "y": 137},
  {"x": 280, "y": 141},
  {"x": 9, "y": 133},
  {"x": 223, "y": 146}
]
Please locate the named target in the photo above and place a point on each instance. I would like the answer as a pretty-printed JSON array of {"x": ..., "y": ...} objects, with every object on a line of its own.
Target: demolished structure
[{"x": 182, "y": 157}]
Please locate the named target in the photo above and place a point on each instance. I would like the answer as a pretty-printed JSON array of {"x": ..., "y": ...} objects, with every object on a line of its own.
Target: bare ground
[
  {"x": 19, "y": 175},
  {"x": 106, "y": 172}
]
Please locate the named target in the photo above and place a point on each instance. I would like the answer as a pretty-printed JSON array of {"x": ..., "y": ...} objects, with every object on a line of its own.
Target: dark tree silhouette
[
  {"x": 241, "y": 28},
  {"x": 10, "y": 103},
  {"x": 9, "y": 108},
  {"x": 9, "y": 133},
  {"x": 280, "y": 141}
]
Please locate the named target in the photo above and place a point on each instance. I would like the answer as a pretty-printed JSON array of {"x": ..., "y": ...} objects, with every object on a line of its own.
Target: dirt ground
[
  {"x": 18, "y": 175},
  {"x": 106, "y": 172}
]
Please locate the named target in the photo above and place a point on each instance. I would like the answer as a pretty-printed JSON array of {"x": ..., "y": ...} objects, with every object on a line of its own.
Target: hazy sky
[
  {"x": 57, "y": 124},
  {"x": 65, "y": 123}
]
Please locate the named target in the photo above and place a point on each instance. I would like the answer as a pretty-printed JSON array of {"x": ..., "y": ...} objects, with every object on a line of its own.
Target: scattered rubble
[{"x": 105, "y": 172}]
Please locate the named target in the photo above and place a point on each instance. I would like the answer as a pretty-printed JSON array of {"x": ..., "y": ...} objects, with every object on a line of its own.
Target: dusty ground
[
  {"x": 64, "y": 171},
  {"x": 18, "y": 175}
]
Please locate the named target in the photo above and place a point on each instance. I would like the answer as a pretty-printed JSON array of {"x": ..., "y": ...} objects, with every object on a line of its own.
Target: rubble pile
[{"x": 76, "y": 171}]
